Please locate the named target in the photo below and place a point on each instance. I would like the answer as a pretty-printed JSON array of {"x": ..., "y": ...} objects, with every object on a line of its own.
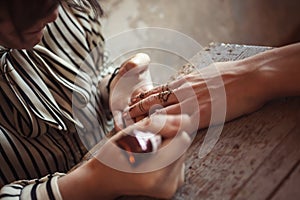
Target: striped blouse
[{"x": 50, "y": 111}]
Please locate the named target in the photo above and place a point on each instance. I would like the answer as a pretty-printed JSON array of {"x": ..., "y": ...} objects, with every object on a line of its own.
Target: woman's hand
[
  {"x": 109, "y": 174},
  {"x": 132, "y": 78},
  {"x": 239, "y": 86}
]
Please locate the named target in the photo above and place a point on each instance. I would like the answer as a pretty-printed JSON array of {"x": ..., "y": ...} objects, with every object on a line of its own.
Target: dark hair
[{"x": 24, "y": 13}]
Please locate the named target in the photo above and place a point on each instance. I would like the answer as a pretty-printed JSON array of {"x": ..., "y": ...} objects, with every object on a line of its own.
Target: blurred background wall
[{"x": 255, "y": 22}]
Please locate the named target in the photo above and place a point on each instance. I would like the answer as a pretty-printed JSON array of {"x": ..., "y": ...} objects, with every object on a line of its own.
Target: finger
[
  {"x": 144, "y": 94},
  {"x": 128, "y": 121},
  {"x": 187, "y": 106},
  {"x": 135, "y": 75},
  {"x": 182, "y": 100},
  {"x": 170, "y": 86},
  {"x": 168, "y": 126},
  {"x": 144, "y": 100},
  {"x": 172, "y": 149},
  {"x": 131, "y": 121},
  {"x": 169, "y": 154},
  {"x": 151, "y": 103},
  {"x": 200, "y": 115},
  {"x": 130, "y": 71}
]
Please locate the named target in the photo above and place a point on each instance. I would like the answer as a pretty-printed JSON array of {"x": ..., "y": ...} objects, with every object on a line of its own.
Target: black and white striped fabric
[{"x": 41, "y": 89}]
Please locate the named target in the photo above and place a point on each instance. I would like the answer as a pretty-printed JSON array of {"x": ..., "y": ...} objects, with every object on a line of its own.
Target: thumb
[
  {"x": 135, "y": 65},
  {"x": 134, "y": 75},
  {"x": 131, "y": 72}
]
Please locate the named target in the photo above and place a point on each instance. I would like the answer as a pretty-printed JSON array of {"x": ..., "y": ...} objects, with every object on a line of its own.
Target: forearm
[
  {"x": 279, "y": 71},
  {"x": 251, "y": 82}
]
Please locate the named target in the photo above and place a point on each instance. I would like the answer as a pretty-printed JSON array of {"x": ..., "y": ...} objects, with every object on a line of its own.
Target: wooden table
[{"x": 256, "y": 157}]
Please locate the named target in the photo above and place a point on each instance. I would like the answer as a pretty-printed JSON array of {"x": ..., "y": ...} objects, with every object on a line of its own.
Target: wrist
[
  {"x": 90, "y": 181},
  {"x": 245, "y": 86},
  {"x": 260, "y": 77},
  {"x": 245, "y": 76}
]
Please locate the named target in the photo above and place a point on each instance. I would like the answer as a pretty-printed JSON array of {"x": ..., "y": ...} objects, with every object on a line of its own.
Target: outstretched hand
[{"x": 196, "y": 93}]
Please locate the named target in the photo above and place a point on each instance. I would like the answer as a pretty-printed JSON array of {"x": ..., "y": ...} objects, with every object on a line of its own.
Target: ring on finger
[
  {"x": 165, "y": 88},
  {"x": 164, "y": 96}
]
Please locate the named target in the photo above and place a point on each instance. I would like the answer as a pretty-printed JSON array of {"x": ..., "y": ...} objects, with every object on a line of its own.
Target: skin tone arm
[
  {"x": 281, "y": 71},
  {"x": 248, "y": 83}
]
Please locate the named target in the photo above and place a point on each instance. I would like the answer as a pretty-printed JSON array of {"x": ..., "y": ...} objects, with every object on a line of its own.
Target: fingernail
[{"x": 141, "y": 59}]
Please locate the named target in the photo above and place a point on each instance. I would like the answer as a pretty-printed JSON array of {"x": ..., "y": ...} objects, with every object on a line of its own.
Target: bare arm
[
  {"x": 281, "y": 70},
  {"x": 248, "y": 84}
]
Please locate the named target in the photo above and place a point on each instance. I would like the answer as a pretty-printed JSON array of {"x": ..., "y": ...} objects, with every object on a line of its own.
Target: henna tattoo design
[
  {"x": 164, "y": 96},
  {"x": 141, "y": 107}
]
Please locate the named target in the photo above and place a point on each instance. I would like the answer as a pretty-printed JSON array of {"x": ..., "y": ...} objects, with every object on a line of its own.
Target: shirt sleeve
[{"x": 45, "y": 188}]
